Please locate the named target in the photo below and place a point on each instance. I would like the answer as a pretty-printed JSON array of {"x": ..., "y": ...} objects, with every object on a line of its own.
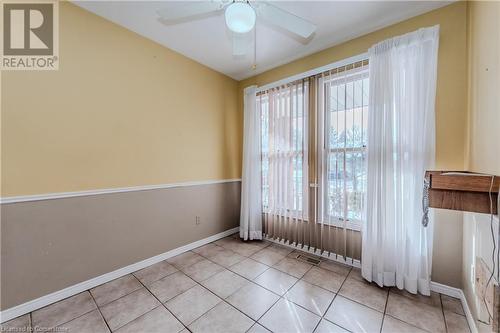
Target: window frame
[
  {"x": 325, "y": 151},
  {"x": 351, "y": 224}
]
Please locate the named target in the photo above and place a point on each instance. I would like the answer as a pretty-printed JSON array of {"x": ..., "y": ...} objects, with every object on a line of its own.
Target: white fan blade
[
  {"x": 241, "y": 43},
  {"x": 189, "y": 9},
  {"x": 285, "y": 20}
]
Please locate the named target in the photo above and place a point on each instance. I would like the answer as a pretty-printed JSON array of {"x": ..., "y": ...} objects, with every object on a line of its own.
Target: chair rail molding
[{"x": 60, "y": 195}]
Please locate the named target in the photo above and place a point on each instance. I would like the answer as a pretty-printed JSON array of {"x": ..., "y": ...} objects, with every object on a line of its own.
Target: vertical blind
[
  {"x": 285, "y": 132},
  {"x": 313, "y": 160}
]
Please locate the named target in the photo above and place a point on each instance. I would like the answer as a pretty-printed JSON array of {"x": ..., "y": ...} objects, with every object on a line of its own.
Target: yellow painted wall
[
  {"x": 484, "y": 87},
  {"x": 451, "y": 99},
  {"x": 451, "y": 112},
  {"x": 120, "y": 111},
  {"x": 484, "y": 137}
]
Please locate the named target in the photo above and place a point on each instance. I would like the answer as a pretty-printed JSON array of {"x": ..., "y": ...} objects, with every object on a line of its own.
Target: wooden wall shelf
[{"x": 462, "y": 190}]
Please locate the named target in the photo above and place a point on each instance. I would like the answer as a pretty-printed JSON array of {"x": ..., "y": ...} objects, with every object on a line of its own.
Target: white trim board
[
  {"x": 40, "y": 302},
  {"x": 60, "y": 195},
  {"x": 456, "y": 293}
]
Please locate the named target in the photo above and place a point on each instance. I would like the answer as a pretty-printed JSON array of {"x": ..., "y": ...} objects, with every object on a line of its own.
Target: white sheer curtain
[
  {"x": 397, "y": 249},
  {"x": 251, "y": 189}
]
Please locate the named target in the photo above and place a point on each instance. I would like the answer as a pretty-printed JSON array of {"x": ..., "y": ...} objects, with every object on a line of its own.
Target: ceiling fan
[{"x": 240, "y": 17}]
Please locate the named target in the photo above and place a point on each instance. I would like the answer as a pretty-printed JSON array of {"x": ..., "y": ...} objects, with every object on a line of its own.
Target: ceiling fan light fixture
[{"x": 240, "y": 17}]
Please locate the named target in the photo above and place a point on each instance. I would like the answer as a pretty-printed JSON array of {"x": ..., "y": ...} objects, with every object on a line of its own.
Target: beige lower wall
[
  {"x": 50, "y": 245},
  {"x": 447, "y": 248}
]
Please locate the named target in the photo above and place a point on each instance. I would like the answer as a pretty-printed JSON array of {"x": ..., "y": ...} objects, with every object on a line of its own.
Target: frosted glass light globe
[{"x": 240, "y": 17}]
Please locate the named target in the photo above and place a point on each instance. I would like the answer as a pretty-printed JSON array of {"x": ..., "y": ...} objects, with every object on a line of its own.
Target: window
[
  {"x": 345, "y": 110},
  {"x": 316, "y": 146}
]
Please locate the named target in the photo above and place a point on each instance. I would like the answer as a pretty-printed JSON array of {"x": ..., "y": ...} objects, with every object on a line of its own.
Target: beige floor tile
[
  {"x": 125, "y": 309},
  {"x": 185, "y": 259},
  {"x": 171, "y": 286},
  {"x": 257, "y": 328},
  {"x": 283, "y": 250},
  {"x": 225, "y": 283},
  {"x": 310, "y": 297},
  {"x": 483, "y": 327},
  {"x": 393, "y": 325},
  {"x": 112, "y": 290},
  {"x": 353, "y": 316},
  {"x": 267, "y": 256},
  {"x": 222, "y": 318},
  {"x": 285, "y": 316},
  {"x": 324, "y": 279},
  {"x": 90, "y": 322},
  {"x": 452, "y": 304},
  {"x": 293, "y": 267},
  {"x": 19, "y": 324},
  {"x": 264, "y": 243},
  {"x": 456, "y": 323},
  {"x": 433, "y": 300},
  {"x": 276, "y": 281},
  {"x": 202, "y": 270},
  {"x": 208, "y": 249},
  {"x": 225, "y": 241},
  {"x": 355, "y": 273},
  {"x": 253, "y": 300},
  {"x": 249, "y": 268},
  {"x": 63, "y": 311},
  {"x": 327, "y": 327},
  {"x": 245, "y": 249},
  {"x": 191, "y": 304},
  {"x": 335, "y": 267},
  {"x": 155, "y": 272},
  {"x": 226, "y": 258},
  {"x": 365, "y": 293},
  {"x": 158, "y": 320},
  {"x": 419, "y": 314}
]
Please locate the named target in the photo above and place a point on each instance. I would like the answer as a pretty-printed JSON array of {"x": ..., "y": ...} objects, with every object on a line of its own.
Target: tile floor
[{"x": 235, "y": 286}]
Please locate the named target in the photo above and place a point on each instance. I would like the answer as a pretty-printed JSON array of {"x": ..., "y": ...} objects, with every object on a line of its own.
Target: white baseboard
[
  {"x": 40, "y": 302},
  {"x": 446, "y": 290},
  {"x": 457, "y": 293}
]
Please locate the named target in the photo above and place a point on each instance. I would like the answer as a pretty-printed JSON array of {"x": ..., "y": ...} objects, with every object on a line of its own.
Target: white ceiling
[{"x": 207, "y": 40}]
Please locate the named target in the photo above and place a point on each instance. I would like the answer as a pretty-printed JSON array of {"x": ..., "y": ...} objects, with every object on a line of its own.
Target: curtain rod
[
  {"x": 313, "y": 72},
  {"x": 331, "y": 72}
]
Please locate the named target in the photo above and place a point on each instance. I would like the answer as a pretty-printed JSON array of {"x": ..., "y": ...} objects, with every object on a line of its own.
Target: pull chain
[{"x": 254, "y": 66}]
